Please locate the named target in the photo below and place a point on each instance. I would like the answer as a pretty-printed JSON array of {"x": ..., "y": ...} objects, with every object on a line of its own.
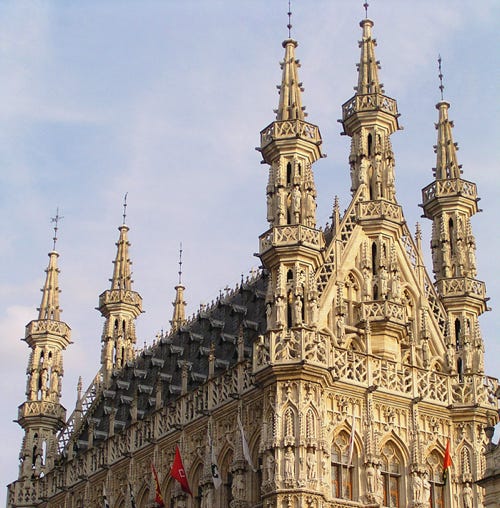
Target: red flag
[
  {"x": 158, "y": 497},
  {"x": 179, "y": 473},
  {"x": 446, "y": 461}
]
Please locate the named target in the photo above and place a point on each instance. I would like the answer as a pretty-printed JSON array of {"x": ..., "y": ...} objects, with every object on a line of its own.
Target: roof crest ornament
[
  {"x": 366, "y": 5},
  {"x": 125, "y": 207},
  {"x": 56, "y": 220},
  {"x": 289, "y": 13},
  {"x": 180, "y": 263},
  {"x": 440, "y": 75}
]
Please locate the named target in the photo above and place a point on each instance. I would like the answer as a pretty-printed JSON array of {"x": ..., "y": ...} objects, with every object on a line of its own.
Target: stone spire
[
  {"x": 122, "y": 265},
  {"x": 450, "y": 201},
  {"x": 49, "y": 308},
  {"x": 369, "y": 118},
  {"x": 368, "y": 82},
  {"x": 447, "y": 167},
  {"x": 120, "y": 305},
  {"x": 42, "y": 415},
  {"x": 179, "y": 315},
  {"x": 290, "y": 104}
]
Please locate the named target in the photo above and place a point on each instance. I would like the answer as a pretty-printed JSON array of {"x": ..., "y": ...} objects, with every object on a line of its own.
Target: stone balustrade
[
  {"x": 281, "y": 236},
  {"x": 287, "y": 129},
  {"x": 369, "y": 102},
  {"x": 449, "y": 187}
]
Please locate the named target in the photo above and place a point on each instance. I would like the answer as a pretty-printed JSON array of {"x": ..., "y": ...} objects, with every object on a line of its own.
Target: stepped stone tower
[
  {"x": 338, "y": 375},
  {"x": 292, "y": 251},
  {"x": 42, "y": 416},
  {"x": 450, "y": 201}
]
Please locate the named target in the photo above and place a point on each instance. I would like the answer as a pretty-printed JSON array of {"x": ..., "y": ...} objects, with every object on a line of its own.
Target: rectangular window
[{"x": 342, "y": 481}]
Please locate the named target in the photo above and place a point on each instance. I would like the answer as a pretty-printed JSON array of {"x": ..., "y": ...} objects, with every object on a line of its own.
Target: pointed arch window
[
  {"x": 434, "y": 466},
  {"x": 342, "y": 474},
  {"x": 392, "y": 467}
]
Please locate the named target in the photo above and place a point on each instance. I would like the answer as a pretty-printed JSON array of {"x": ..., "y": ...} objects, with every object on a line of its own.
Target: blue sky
[{"x": 165, "y": 100}]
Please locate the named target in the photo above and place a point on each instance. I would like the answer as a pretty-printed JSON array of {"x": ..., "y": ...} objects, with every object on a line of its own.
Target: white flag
[
  {"x": 351, "y": 442},
  {"x": 246, "y": 450},
  {"x": 214, "y": 467}
]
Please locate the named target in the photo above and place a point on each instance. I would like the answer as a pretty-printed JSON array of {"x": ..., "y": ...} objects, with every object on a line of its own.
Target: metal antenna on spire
[
  {"x": 441, "y": 86},
  {"x": 289, "y": 26},
  {"x": 125, "y": 207},
  {"x": 366, "y": 5},
  {"x": 180, "y": 263},
  {"x": 56, "y": 220}
]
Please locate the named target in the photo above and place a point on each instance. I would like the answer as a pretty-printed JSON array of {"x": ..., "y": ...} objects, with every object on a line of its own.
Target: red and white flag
[
  {"x": 179, "y": 473},
  {"x": 447, "y": 462},
  {"x": 159, "y": 503}
]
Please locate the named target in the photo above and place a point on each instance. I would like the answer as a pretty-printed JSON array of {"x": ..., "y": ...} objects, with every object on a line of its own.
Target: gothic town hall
[{"x": 341, "y": 374}]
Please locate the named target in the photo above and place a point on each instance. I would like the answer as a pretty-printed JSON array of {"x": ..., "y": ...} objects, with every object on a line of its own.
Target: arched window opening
[
  {"x": 289, "y": 173},
  {"x": 35, "y": 450},
  {"x": 44, "y": 452},
  {"x": 374, "y": 258},
  {"x": 435, "y": 466},
  {"x": 451, "y": 233},
  {"x": 370, "y": 145},
  {"x": 289, "y": 312},
  {"x": 460, "y": 370},
  {"x": 458, "y": 342},
  {"x": 341, "y": 473},
  {"x": 391, "y": 475}
]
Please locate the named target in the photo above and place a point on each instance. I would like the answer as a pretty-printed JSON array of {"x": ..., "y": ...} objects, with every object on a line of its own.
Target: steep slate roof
[{"x": 241, "y": 311}]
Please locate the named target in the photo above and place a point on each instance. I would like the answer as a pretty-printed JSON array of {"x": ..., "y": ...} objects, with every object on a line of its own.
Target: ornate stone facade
[{"x": 340, "y": 365}]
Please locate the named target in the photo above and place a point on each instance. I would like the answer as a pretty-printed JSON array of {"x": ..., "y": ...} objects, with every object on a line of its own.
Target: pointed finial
[
  {"x": 289, "y": 13},
  {"x": 366, "y": 5},
  {"x": 180, "y": 263},
  {"x": 441, "y": 86},
  {"x": 125, "y": 207},
  {"x": 56, "y": 220}
]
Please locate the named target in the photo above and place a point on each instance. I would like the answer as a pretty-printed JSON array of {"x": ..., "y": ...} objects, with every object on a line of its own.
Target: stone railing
[
  {"x": 369, "y": 102},
  {"x": 380, "y": 209},
  {"x": 287, "y": 129},
  {"x": 58, "y": 328},
  {"x": 281, "y": 236},
  {"x": 460, "y": 286},
  {"x": 449, "y": 187},
  {"x": 310, "y": 347},
  {"x": 381, "y": 311},
  {"x": 42, "y": 408},
  {"x": 119, "y": 296}
]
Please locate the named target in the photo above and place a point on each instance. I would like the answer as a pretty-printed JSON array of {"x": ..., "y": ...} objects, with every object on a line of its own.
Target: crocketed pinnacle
[
  {"x": 122, "y": 273},
  {"x": 368, "y": 82},
  {"x": 290, "y": 105},
  {"x": 446, "y": 150},
  {"x": 49, "y": 308}
]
